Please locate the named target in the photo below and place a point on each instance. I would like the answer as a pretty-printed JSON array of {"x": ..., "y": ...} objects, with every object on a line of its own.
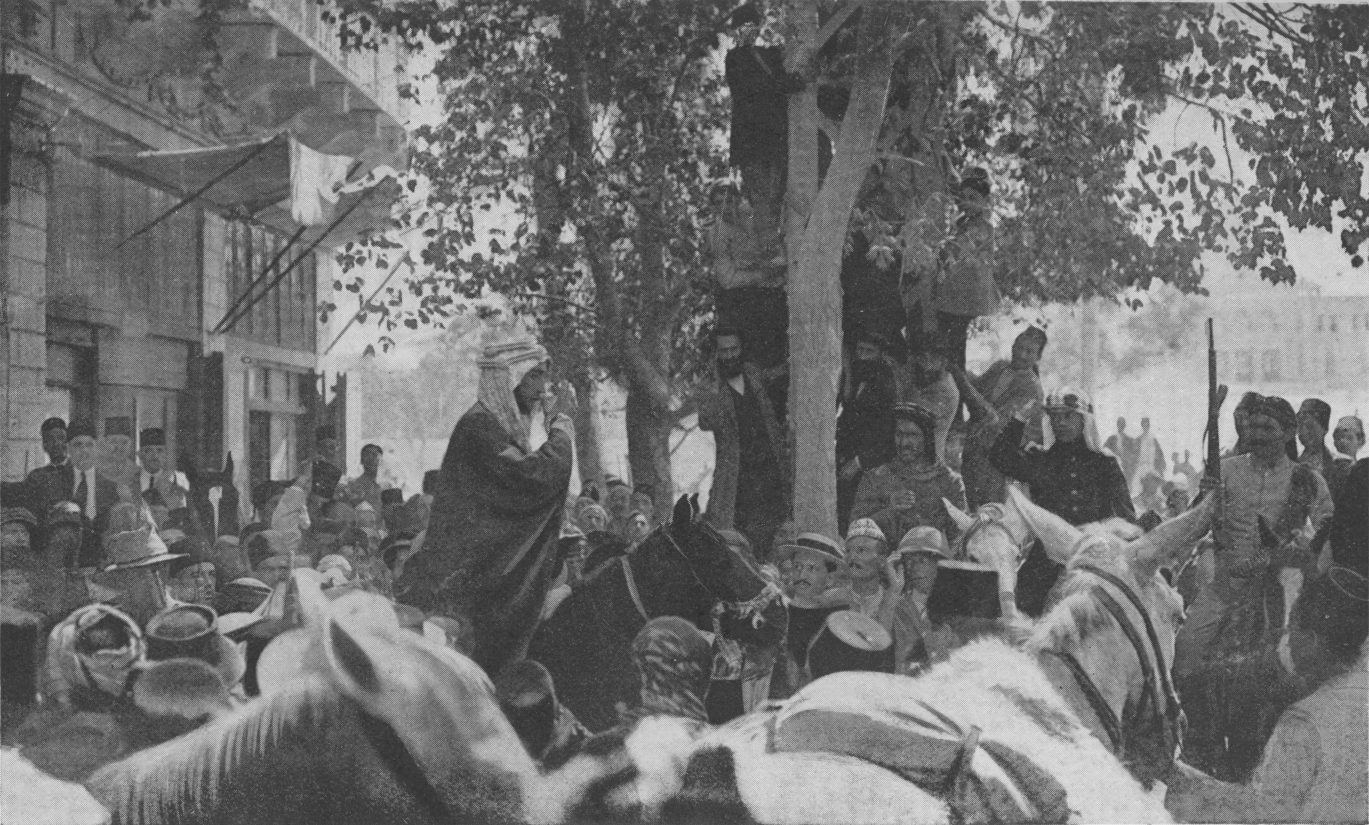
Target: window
[{"x": 1269, "y": 365}]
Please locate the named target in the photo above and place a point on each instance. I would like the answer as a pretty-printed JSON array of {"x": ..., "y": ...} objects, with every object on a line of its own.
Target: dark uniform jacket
[{"x": 1070, "y": 480}]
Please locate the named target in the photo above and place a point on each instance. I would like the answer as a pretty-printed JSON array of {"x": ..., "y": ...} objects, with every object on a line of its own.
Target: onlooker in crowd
[
  {"x": 55, "y": 480},
  {"x": 918, "y": 554},
  {"x": 592, "y": 519},
  {"x": 136, "y": 568},
  {"x": 638, "y": 527},
  {"x": 1069, "y": 477},
  {"x": 642, "y": 502},
  {"x": 491, "y": 548},
  {"x": 1314, "y": 419},
  {"x": 929, "y": 385},
  {"x": 1349, "y": 436},
  {"x": 749, "y": 276},
  {"x": 759, "y": 87},
  {"x": 193, "y": 580},
  {"x": 992, "y": 398},
  {"x": 873, "y": 584},
  {"x": 1187, "y": 470},
  {"x": 116, "y": 452},
  {"x": 865, "y": 425},
  {"x": 812, "y": 558},
  {"x": 92, "y": 492},
  {"x": 157, "y": 483},
  {"x": 1261, "y": 491},
  {"x": 907, "y": 492},
  {"x": 965, "y": 287},
  {"x": 1347, "y": 537},
  {"x": 1150, "y": 459},
  {"x": 1314, "y": 765},
  {"x": 750, "y": 475},
  {"x": 1123, "y": 448},
  {"x": 547, "y": 728},
  {"x": 367, "y": 486},
  {"x": 618, "y": 503}
]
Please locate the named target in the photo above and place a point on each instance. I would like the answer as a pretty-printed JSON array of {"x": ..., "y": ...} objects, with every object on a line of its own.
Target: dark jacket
[
  {"x": 1070, "y": 480},
  {"x": 865, "y": 427},
  {"x": 716, "y": 414}
]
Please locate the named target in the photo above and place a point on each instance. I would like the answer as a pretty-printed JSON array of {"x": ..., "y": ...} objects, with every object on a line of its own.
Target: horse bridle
[
  {"x": 990, "y": 517},
  {"x": 1156, "y": 680}
]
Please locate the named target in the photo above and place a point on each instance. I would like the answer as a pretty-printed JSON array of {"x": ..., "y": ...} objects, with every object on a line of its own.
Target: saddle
[{"x": 980, "y": 779}]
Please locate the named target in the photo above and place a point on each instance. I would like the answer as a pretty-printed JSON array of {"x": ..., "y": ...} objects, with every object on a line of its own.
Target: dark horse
[{"x": 683, "y": 568}]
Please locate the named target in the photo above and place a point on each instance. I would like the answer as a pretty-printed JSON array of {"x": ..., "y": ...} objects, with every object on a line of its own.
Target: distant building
[
  {"x": 1293, "y": 341},
  {"x": 200, "y": 319}
]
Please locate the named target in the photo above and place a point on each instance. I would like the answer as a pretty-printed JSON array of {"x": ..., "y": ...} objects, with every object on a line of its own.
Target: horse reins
[{"x": 1150, "y": 674}]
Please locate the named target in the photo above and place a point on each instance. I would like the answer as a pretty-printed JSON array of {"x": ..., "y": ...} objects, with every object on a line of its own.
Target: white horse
[{"x": 1071, "y": 726}]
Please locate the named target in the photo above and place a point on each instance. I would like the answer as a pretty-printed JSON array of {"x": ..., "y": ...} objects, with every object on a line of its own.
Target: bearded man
[
  {"x": 1271, "y": 508},
  {"x": 750, "y": 478},
  {"x": 490, "y": 552}
]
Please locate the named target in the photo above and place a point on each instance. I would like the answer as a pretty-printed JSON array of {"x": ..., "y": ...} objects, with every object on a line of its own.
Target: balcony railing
[{"x": 377, "y": 74}]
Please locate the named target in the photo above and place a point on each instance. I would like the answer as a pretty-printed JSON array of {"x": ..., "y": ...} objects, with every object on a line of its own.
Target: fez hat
[
  {"x": 152, "y": 437},
  {"x": 79, "y": 428},
  {"x": 191, "y": 631},
  {"x": 53, "y": 423}
]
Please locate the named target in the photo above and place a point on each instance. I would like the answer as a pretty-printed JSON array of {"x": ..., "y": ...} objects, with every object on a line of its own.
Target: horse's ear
[
  {"x": 228, "y": 466},
  {"x": 683, "y": 513},
  {"x": 1166, "y": 545},
  {"x": 1057, "y": 536},
  {"x": 350, "y": 662},
  {"x": 962, "y": 519},
  {"x": 694, "y": 505}
]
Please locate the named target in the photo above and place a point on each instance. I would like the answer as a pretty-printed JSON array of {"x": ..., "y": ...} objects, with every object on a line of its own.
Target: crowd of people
[{"x": 133, "y": 610}]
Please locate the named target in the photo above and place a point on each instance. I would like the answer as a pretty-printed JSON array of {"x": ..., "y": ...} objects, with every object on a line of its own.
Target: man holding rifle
[{"x": 1269, "y": 510}]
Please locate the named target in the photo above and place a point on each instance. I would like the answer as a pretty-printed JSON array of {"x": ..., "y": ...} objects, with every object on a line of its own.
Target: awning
[
  {"x": 278, "y": 181},
  {"x": 246, "y": 177}
]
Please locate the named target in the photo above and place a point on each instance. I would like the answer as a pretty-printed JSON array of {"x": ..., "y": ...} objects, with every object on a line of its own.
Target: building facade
[{"x": 155, "y": 266}]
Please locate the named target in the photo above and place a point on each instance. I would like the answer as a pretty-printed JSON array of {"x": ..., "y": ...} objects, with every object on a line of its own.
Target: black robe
[{"x": 490, "y": 552}]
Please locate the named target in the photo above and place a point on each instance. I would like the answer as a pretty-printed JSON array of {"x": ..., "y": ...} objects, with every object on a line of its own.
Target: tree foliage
[{"x": 593, "y": 130}]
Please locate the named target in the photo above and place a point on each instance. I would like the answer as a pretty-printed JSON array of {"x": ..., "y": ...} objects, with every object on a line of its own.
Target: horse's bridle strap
[
  {"x": 632, "y": 589},
  {"x": 1166, "y": 684},
  {"x": 1112, "y": 726}
]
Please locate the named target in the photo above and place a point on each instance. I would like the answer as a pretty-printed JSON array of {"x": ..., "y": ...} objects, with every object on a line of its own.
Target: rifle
[{"x": 1212, "y": 469}]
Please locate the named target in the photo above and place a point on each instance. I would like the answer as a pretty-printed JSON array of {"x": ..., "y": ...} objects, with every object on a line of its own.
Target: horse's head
[
  {"x": 996, "y": 535},
  {"x": 441, "y": 706},
  {"x": 406, "y": 729},
  {"x": 1118, "y": 616},
  {"x": 692, "y": 564}
]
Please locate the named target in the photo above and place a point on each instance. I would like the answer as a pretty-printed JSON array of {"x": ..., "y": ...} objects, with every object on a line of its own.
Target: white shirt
[{"x": 146, "y": 479}]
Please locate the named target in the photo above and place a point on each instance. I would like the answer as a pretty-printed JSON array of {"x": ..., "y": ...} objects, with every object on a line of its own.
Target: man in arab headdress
[{"x": 490, "y": 550}]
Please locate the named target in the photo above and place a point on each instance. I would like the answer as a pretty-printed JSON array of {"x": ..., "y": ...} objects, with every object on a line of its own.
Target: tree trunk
[
  {"x": 648, "y": 448},
  {"x": 814, "y": 275},
  {"x": 587, "y": 434}
]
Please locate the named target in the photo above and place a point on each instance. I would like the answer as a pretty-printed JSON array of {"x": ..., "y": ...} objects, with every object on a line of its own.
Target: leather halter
[
  {"x": 989, "y": 516},
  {"x": 631, "y": 581},
  {"x": 1155, "y": 678}
]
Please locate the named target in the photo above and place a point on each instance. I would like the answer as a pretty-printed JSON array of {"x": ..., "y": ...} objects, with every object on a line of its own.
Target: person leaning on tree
[
  {"x": 907, "y": 491},
  {"x": 750, "y": 471}
]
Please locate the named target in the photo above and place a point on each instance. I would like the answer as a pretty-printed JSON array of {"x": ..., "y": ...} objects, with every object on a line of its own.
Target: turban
[
  {"x": 1275, "y": 408},
  {"x": 1319, "y": 410}
]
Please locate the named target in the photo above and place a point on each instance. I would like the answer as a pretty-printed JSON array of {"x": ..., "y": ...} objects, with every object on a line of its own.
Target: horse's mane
[{"x": 165, "y": 782}]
